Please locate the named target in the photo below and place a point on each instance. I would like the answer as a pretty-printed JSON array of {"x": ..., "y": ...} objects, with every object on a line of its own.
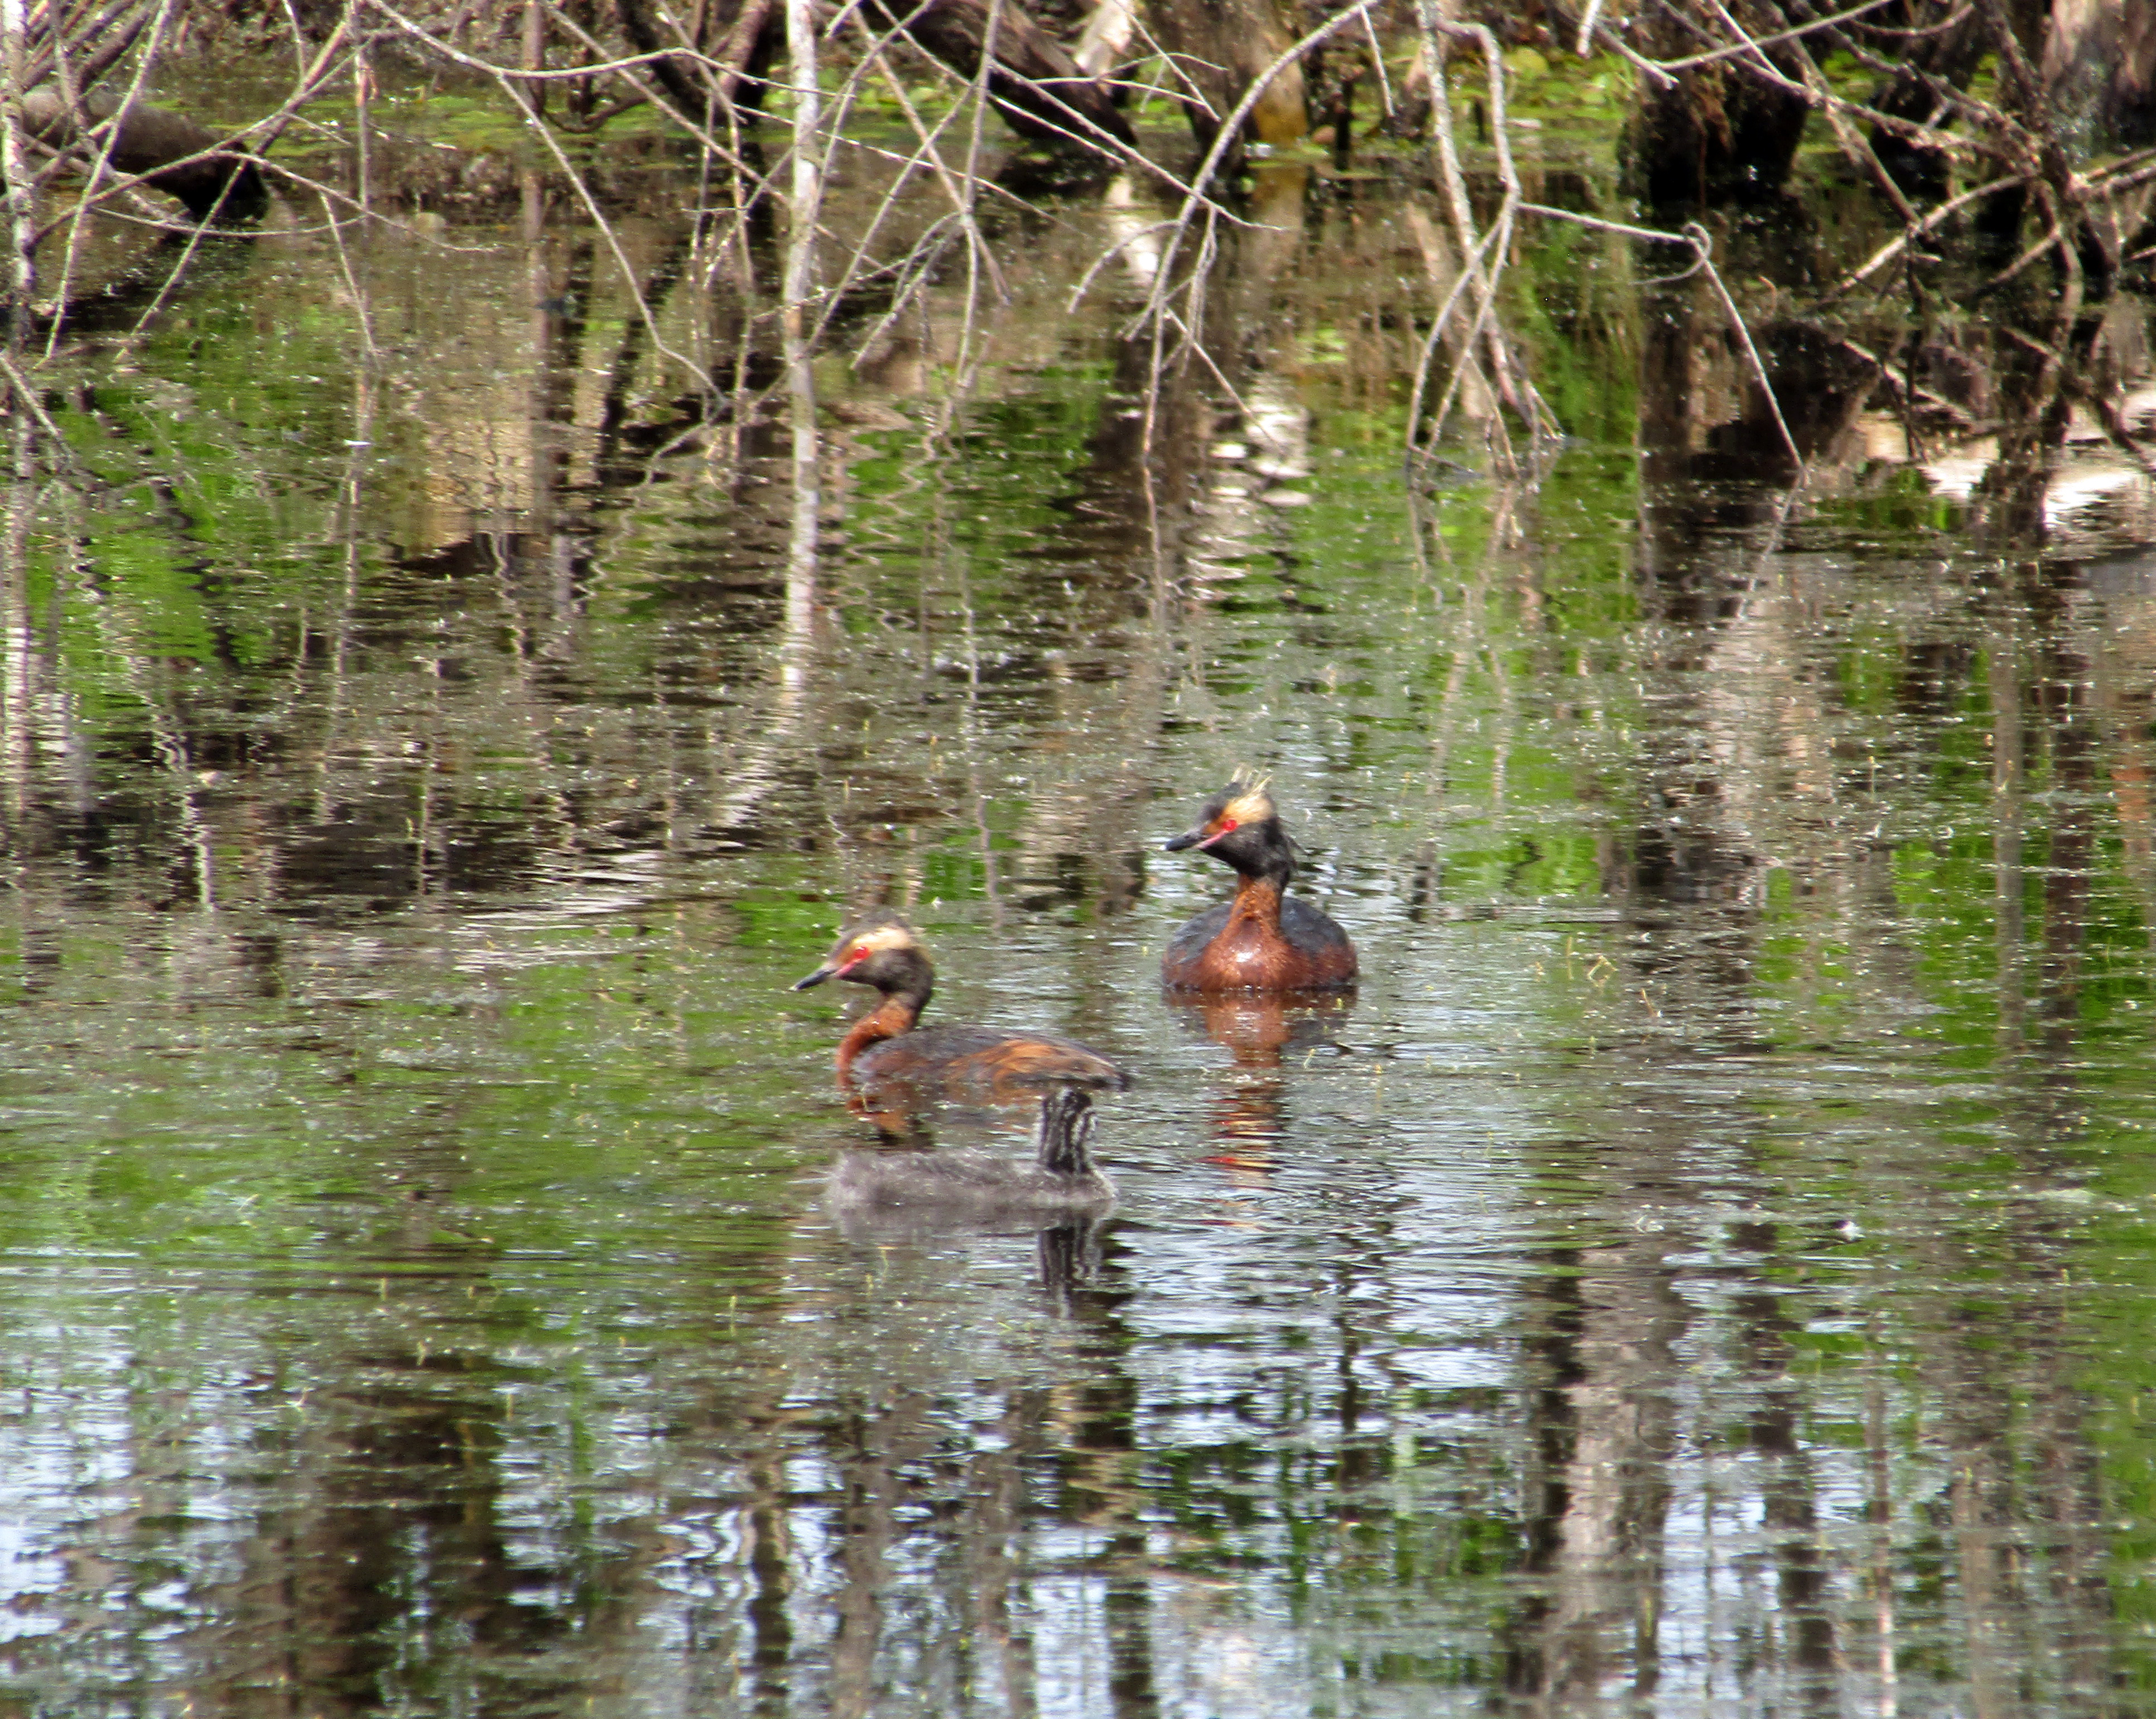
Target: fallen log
[
  {"x": 177, "y": 155},
  {"x": 737, "y": 82},
  {"x": 1042, "y": 93},
  {"x": 1040, "y": 90}
]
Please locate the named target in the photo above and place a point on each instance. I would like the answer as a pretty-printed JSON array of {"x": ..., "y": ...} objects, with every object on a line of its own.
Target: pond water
[{"x": 1707, "y": 1267}]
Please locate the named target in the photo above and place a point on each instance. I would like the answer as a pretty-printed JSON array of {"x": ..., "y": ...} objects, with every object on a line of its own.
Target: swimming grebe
[
  {"x": 1265, "y": 938},
  {"x": 881, "y": 950},
  {"x": 976, "y": 1186}
]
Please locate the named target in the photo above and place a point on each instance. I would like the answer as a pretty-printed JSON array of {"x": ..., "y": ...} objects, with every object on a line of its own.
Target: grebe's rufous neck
[
  {"x": 1265, "y": 938},
  {"x": 882, "y": 950}
]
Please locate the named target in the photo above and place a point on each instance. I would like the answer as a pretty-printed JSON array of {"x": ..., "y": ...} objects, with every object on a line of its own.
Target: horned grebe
[
  {"x": 882, "y": 950},
  {"x": 1265, "y": 938}
]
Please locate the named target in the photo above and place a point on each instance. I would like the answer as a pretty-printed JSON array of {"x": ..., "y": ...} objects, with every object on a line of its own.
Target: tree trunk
[
  {"x": 1219, "y": 49},
  {"x": 1949, "y": 59},
  {"x": 2100, "y": 68},
  {"x": 1718, "y": 132}
]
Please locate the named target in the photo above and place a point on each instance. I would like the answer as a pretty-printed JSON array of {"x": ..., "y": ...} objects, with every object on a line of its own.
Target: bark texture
[{"x": 2100, "y": 68}]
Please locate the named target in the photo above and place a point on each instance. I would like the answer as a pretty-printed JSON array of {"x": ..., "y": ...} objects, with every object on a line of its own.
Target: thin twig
[
  {"x": 19, "y": 385},
  {"x": 1704, "y": 243},
  {"x": 1752, "y": 45}
]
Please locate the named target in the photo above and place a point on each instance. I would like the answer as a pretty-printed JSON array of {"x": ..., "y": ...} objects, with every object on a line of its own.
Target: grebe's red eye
[{"x": 1226, "y": 825}]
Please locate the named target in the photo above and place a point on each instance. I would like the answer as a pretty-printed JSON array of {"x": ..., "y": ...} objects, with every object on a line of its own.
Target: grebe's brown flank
[
  {"x": 882, "y": 950},
  {"x": 1264, "y": 939}
]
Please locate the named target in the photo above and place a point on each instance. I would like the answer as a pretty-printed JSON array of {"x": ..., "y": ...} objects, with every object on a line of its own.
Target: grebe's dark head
[
  {"x": 880, "y": 950},
  {"x": 1241, "y": 826}
]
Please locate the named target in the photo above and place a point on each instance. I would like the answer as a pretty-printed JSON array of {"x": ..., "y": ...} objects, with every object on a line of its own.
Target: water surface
[{"x": 1704, "y": 1269}]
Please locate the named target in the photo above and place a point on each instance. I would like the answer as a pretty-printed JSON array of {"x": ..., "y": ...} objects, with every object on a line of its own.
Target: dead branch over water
[{"x": 1722, "y": 95}]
